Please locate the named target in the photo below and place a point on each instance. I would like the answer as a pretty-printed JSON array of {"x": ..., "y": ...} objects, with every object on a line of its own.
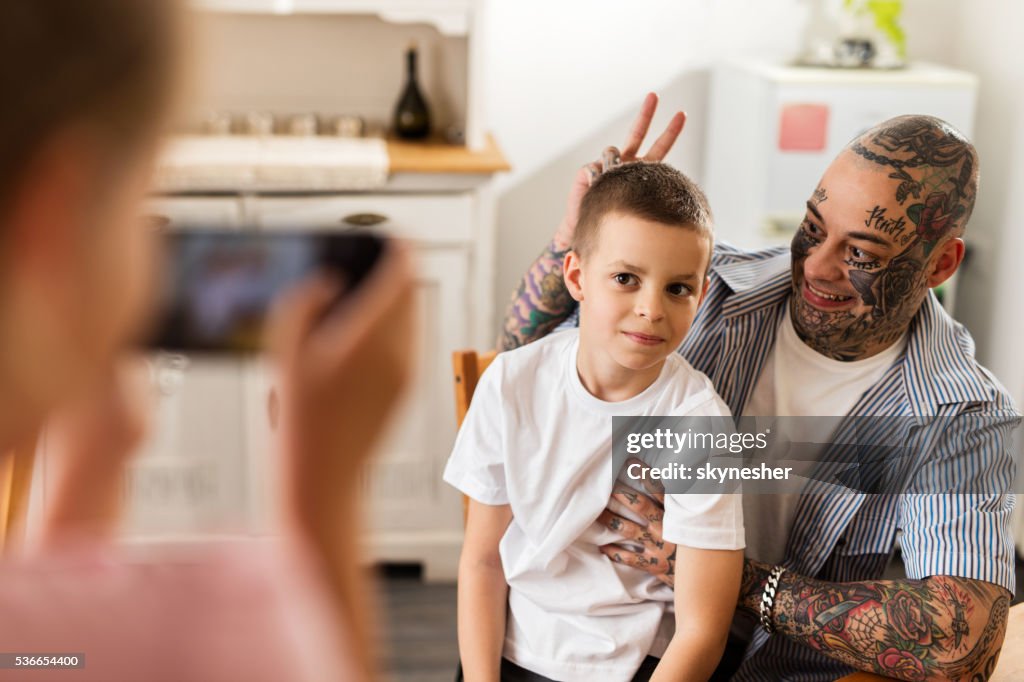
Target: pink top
[{"x": 235, "y": 611}]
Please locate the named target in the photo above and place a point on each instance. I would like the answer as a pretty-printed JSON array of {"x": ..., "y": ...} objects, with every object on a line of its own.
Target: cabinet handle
[{"x": 364, "y": 219}]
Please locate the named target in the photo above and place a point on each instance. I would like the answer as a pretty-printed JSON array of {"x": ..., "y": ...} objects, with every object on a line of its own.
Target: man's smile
[{"x": 823, "y": 299}]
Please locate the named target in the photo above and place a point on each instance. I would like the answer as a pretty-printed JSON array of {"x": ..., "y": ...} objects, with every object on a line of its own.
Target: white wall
[
  {"x": 565, "y": 78},
  {"x": 989, "y": 298}
]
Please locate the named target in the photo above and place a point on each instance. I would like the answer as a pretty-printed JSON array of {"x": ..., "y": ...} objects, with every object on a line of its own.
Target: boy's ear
[
  {"x": 572, "y": 272},
  {"x": 704, "y": 289}
]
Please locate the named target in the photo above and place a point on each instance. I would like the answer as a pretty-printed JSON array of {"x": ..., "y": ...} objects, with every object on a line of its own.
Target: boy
[{"x": 534, "y": 456}]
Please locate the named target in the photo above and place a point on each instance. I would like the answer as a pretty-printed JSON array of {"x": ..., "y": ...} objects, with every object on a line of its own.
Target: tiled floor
[{"x": 419, "y": 622}]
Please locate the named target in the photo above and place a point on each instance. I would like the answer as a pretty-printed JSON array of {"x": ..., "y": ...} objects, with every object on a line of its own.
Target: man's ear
[
  {"x": 572, "y": 272},
  {"x": 946, "y": 261}
]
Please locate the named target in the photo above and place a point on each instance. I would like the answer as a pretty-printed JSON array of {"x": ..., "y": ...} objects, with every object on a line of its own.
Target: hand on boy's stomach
[
  {"x": 580, "y": 580},
  {"x": 638, "y": 519}
]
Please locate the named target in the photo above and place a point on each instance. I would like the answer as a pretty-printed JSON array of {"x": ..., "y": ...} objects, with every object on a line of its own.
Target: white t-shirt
[
  {"x": 535, "y": 439},
  {"x": 798, "y": 381}
]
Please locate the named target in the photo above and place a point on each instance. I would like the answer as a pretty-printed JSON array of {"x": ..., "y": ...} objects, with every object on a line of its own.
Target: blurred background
[{"x": 459, "y": 125}]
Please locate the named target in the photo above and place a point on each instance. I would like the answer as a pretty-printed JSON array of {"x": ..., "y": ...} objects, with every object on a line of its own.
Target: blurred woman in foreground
[{"x": 89, "y": 89}]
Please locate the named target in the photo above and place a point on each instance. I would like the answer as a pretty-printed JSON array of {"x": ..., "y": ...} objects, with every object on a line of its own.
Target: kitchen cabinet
[
  {"x": 411, "y": 514},
  {"x": 209, "y": 463},
  {"x": 186, "y": 477},
  {"x": 209, "y": 467}
]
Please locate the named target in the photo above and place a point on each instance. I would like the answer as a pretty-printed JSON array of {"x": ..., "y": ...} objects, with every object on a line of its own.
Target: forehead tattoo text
[{"x": 893, "y": 227}]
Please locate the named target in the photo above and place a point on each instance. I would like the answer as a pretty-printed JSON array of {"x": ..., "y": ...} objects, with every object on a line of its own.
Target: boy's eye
[
  {"x": 624, "y": 278},
  {"x": 678, "y": 289}
]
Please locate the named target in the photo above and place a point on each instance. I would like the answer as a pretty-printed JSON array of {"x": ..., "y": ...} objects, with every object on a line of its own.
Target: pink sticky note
[{"x": 803, "y": 127}]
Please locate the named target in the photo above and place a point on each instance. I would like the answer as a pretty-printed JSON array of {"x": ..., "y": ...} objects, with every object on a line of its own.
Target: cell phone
[{"x": 218, "y": 285}]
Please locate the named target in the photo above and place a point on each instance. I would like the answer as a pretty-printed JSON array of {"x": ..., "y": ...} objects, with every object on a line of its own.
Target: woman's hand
[
  {"x": 342, "y": 369},
  {"x": 612, "y": 157}
]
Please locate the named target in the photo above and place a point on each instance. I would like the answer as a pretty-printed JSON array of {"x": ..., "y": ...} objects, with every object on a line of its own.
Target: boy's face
[{"x": 639, "y": 288}]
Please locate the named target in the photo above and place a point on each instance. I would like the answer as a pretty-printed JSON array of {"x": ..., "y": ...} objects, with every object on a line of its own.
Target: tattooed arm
[
  {"x": 938, "y": 628},
  {"x": 541, "y": 302},
  {"x": 934, "y": 629}
]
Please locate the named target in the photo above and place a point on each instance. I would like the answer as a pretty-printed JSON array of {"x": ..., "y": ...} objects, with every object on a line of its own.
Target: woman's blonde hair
[{"x": 107, "y": 64}]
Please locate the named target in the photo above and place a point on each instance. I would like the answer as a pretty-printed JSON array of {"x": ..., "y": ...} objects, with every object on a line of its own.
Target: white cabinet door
[
  {"x": 191, "y": 473},
  {"x": 405, "y": 489},
  {"x": 424, "y": 218},
  {"x": 213, "y": 212},
  {"x": 412, "y": 514},
  {"x": 245, "y": 6}
]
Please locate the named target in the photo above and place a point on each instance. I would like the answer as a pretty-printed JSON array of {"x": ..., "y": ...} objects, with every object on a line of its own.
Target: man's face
[
  {"x": 639, "y": 289},
  {"x": 860, "y": 261}
]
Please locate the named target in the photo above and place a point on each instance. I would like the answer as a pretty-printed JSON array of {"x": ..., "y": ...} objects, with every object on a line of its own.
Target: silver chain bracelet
[{"x": 768, "y": 598}]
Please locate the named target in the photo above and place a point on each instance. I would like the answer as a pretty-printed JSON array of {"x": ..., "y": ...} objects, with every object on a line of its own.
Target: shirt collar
[
  {"x": 760, "y": 283},
  {"x": 939, "y": 367}
]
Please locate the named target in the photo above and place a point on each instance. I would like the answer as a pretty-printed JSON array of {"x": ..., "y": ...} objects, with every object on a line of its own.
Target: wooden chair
[
  {"x": 15, "y": 482},
  {"x": 467, "y": 366}
]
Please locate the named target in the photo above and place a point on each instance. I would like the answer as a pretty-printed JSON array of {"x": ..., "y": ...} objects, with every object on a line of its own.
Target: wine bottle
[{"x": 412, "y": 119}]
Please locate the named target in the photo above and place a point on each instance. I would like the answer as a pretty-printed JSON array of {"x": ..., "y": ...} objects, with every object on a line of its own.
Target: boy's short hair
[
  {"x": 110, "y": 65},
  {"x": 652, "y": 191}
]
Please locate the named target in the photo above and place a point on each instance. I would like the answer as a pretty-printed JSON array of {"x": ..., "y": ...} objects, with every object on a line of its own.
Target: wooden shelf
[{"x": 438, "y": 157}]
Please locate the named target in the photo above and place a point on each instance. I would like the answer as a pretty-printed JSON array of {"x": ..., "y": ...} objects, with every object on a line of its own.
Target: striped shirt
[{"x": 851, "y": 537}]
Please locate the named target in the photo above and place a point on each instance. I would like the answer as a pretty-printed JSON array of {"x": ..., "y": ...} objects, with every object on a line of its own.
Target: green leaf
[
  {"x": 887, "y": 19},
  {"x": 914, "y": 213}
]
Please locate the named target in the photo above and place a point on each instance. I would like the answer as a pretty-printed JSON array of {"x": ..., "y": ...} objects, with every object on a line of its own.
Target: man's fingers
[
  {"x": 593, "y": 170},
  {"x": 661, "y": 147},
  {"x": 639, "y": 504},
  {"x": 623, "y": 526},
  {"x": 621, "y": 555},
  {"x": 655, "y": 488},
  {"x": 640, "y": 127},
  {"x": 610, "y": 158}
]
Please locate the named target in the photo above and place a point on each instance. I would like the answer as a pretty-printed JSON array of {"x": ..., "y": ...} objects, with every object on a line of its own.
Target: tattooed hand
[
  {"x": 655, "y": 555},
  {"x": 612, "y": 157},
  {"x": 938, "y": 628},
  {"x": 540, "y": 302}
]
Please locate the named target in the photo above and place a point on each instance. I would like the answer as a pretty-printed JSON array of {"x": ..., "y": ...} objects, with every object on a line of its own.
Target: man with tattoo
[{"x": 843, "y": 324}]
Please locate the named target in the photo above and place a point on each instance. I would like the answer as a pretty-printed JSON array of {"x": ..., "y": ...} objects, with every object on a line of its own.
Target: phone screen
[{"x": 218, "y": 286}]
